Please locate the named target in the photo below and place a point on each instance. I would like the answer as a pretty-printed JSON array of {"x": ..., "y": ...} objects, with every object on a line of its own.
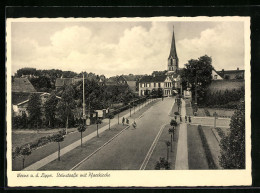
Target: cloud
[
  {"x": 138, "y": 49},
  {"x": 224, "y": 43}
]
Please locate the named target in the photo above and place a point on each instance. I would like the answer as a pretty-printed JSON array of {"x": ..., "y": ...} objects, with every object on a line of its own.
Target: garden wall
[{"x": 222, "y": 85}]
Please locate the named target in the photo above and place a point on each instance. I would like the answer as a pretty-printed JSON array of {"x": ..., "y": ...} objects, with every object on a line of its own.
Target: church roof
[
  {"x": 160, "y": 78},
  {"x": 173, "y": 52}
]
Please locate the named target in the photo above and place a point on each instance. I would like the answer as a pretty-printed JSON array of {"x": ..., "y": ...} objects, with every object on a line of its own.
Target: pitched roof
[
  {"x": 230, "y": 72},
  {"x": 160, "y": 78},
  {"x": 132, "y": 85},
  {"x": 18, "y": 97},
  {"x": 173, "y": 52},
  {"x": 129, "y": 78},
  {"x": 22, "y": 97},
  {"x": 63, "y": 81},
  {"x": 220, "y": 74},
  {"x": 22, "y": 85},
  {"x": 112, "y": 79}
]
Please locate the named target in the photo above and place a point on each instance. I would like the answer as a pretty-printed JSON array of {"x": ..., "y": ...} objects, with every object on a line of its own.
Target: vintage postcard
[{"x": 128, "y": 102}]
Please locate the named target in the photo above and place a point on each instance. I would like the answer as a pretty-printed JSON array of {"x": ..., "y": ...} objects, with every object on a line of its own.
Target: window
[
  {"x": 159, "y": 85},
  {"x": 154, "y": 84}
]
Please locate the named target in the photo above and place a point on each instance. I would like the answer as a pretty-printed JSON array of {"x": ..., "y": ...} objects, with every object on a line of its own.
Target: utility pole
[
  {"x": 84, "y": 104},
  {"x": 196, "y": 90}
]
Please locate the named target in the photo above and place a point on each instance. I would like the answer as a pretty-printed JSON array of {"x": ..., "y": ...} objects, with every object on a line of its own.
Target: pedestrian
[
  {"x": 127, "y": 121},
  {"x": 189, "y": 119},
  {"x": 123, "y": 121},
  {"x": 185, "y": 119},
  {"x": 180, "y": 118},
  {"x": 175, "y": 117},
  {"x": 134, "y": 124}
]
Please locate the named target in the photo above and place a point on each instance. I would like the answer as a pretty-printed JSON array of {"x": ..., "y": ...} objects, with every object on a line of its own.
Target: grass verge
[
  {"x": 73, "y": 157},
  {"x": 196, "y": 154},
  {"x": 161, "y": 149},
  {"x": 205, "y": 144}
]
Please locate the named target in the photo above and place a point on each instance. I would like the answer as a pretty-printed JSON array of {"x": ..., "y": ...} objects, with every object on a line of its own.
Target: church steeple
[{"x": 173, "y": 61}]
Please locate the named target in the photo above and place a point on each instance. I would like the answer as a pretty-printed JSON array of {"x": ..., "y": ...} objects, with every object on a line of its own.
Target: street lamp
[
  {"x": 215, "y": 119},
  {"x": 171, "y": 131},
  {"x": 196, "y": 89}
]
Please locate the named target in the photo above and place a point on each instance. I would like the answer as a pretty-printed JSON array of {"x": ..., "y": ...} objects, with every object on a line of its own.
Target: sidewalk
[
  {"x": 182, "y": 148},
  {"x": 48, "y": 153}
]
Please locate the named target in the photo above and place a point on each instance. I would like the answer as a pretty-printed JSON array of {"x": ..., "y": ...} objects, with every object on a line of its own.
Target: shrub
[
  {"x": 206, "y": 112},
  {"x": 205, "y": 144},
  {"x": 220, "y": 132}
]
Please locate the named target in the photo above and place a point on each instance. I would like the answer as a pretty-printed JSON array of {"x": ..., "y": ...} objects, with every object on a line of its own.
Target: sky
[{"x": 120, "y": 47}]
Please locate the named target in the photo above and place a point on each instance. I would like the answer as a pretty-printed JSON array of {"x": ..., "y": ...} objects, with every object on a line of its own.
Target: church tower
[{"x": 173, "y": 61}]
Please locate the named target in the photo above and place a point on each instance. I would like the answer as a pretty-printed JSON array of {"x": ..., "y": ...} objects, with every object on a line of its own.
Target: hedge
[
  {"x": 35, "y": 144},
  {"x": 205, "y": 144}
]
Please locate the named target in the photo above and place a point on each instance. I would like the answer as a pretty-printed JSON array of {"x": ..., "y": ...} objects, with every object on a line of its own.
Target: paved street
[{"x": 129, "y": 150}]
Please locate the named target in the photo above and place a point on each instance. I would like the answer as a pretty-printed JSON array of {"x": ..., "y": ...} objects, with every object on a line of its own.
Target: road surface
[{"x": 128, "y": 151}]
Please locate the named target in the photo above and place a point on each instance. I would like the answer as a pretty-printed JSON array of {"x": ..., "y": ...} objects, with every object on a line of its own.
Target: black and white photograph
[{"x": 99, "y": 98}]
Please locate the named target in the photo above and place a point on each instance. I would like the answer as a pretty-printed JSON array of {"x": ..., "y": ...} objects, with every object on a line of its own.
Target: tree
[
  {"x": 232, "y": 146},
  {"x": 26, "y": 71},
  {"x": 167, "y": 143},
  {"x": 81, "y": 129},
  {"x": 98, "y": 121},
  {"x": 50, "y": 107},
  {"x": 162, "y": 163},
  {"x": 41, "y": 83},
  {"x": 173, "y": 123},
  {"x": 59, "y": 138},
  {"x": 66, "y": 104},
  {"x": 110, "y": 116},
  {"x": 160, "y": 92},
  {"x": 34, "y": 109},
  {"x": 198, "y": 73},
  {"x": 26, "y": 151}
]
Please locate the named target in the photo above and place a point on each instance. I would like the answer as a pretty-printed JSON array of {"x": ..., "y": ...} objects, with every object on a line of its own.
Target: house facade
[{"x": 149, "y": 83}]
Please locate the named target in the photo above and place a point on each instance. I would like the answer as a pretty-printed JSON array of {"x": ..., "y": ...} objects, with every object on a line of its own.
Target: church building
[{"x": 168, "y": 82}]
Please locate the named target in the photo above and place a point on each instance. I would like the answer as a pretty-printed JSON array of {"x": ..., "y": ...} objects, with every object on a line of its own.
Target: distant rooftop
[{"x": 22, "y": 85}]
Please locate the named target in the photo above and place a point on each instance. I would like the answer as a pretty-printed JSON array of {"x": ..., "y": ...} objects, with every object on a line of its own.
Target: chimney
[{"x": 237, "y": 68}]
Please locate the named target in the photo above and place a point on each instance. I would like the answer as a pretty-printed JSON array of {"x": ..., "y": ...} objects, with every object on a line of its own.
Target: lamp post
[
  {"x": 171, "y": 131},
  {"x": 134, "y": 106},
  {"x": 130, "y": 108},
  {"x": 118, "y": 118},
  {"x": 215, "y": 119}
]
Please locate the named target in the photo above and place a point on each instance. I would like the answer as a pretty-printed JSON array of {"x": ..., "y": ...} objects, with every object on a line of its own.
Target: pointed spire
[{"x": 173, "y": 52}]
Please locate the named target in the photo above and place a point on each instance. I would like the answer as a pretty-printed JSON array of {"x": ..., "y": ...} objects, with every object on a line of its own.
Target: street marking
[
  {"x": 98, "y": 149},
  {"x": 149, "y": 153},
  {"x": 140, "y": 116}
]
